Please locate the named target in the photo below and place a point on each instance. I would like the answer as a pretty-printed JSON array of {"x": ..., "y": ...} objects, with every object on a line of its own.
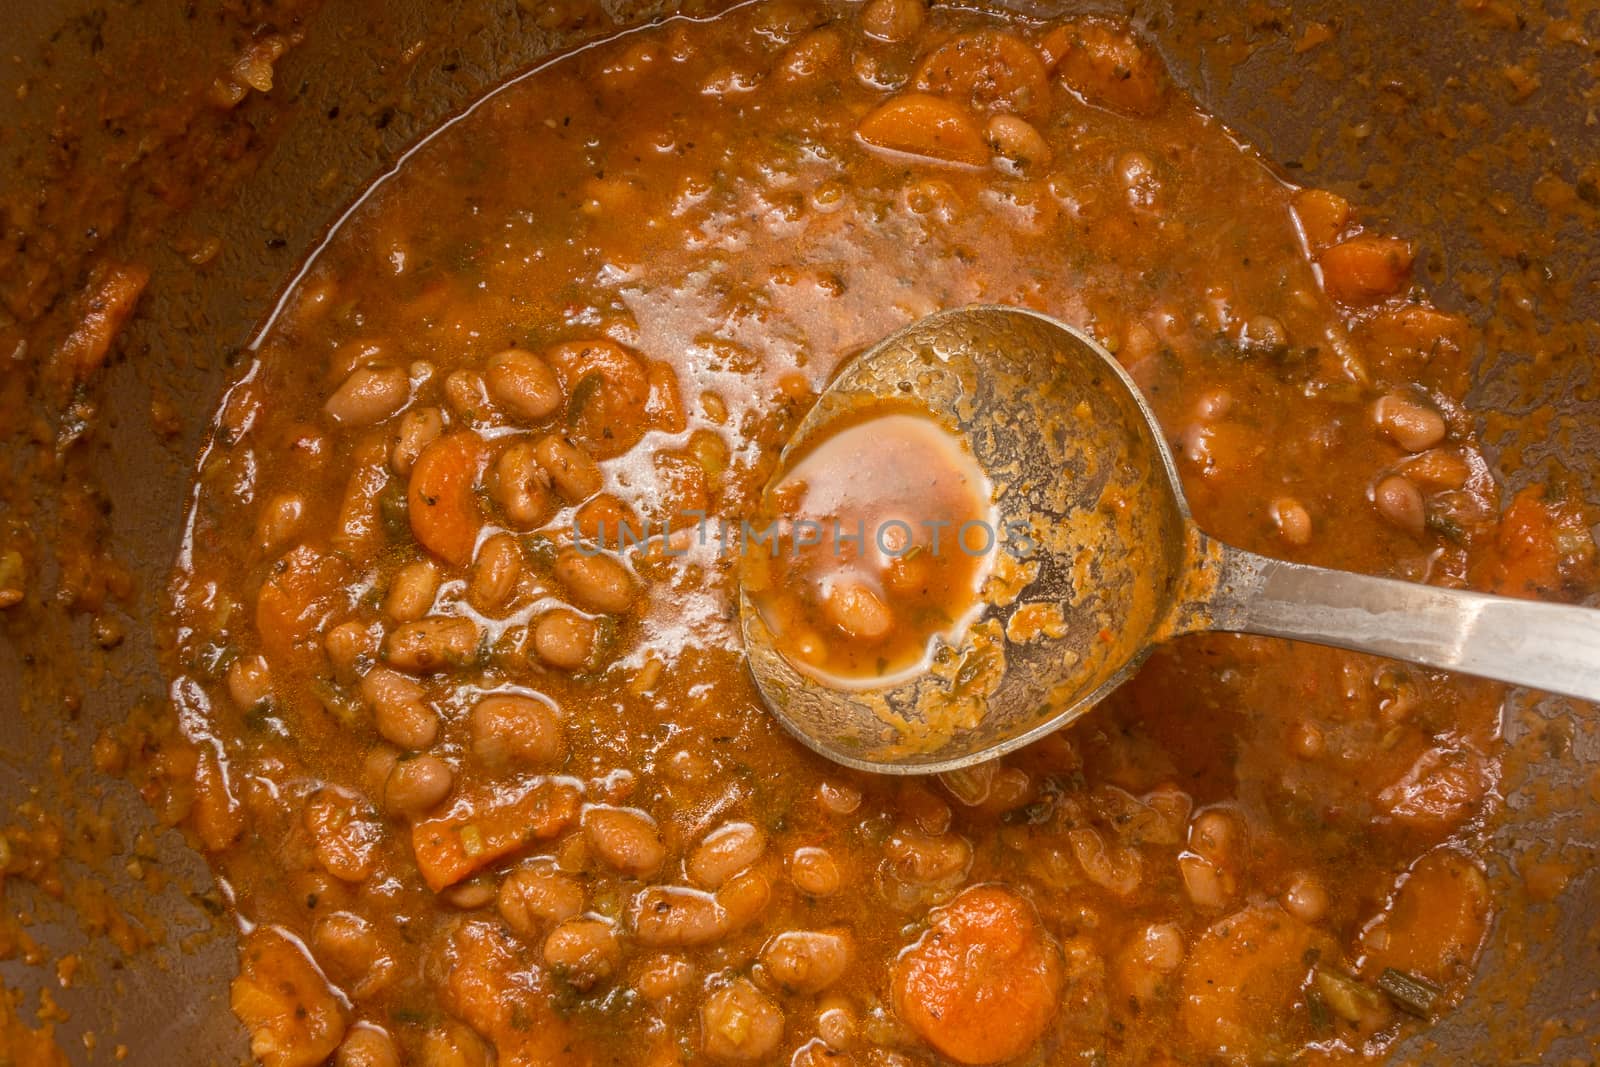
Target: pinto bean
[
  {"x": 1439, "y": 468},
  {"x": 739, "y": 1022},
  {"x": 280, "y": 520},
  {"x": 1305, "y": 898},
  {"x": 1414, "y": 427},
  {"x": 1208, "y": 885},
  {"x": 1208, "y": 866},
  {"x": 494, "y": 573},
  {"x": 350, "y": 646},
  {"x": 475, "y": 892},
  {"x": 810, "y": 56},
  {"x": 1306, "y": 740},
  {"x": 467, "y": 395},
  {"x": 453, "y": 1045},
  {"x": 565, "y": 640},
  {"x": 1148, "y": 958},
  {"x": 838, "y": 798},
  {"x": 1016, "y": 144},
  {"x": 597, "y": 581},
  {"x": 367, "y": 1046},
  {"x": 807, "y": 961},
  {"x": 513, "y": 730},
  {"x": 521, "y": 486},
  {"x": 925, "y": 808},
  {"x": 584, "y": 952},
  {"x": 1292, "y": 520},
  {"x": 813, "y": 870},
  {"x": 344, "y": 834},
  {"x": 523, "y": 384},
  {"x": 818, "y": 1053},
  {"x": 625, "y": 839},
  {"x": 1400, "y": 502},
  {"x": 412, "y": 590},
  {"x": 249, "y": 681},
  {"x": 358, "y": 528},
  {"x": 574, "y": 474},
  {"x": 744, "y": 897},
  {"x": 893, "y": 20},
  {"x": 419, "y": 428},
  {"x": 673, "y": 916},
  {"x": 378, "y": 762},
  {"x": 924, "y": 859},
  {"x": 724, "y": 852},
  {"x": 664, "y": 976},
  {"x": 399, "y": 709},
  {"x": 537, "y": 894},
  {"x": 1110, "y": 866},
  {"x": 433, "y": 644},
  {"x": 857, "y": 610},
  {"x": 416, "y": 785},
  {"x": 836, "y": 1022},
  {"x": 369, "y": 395},
  {"x": 345, "y": 944}
]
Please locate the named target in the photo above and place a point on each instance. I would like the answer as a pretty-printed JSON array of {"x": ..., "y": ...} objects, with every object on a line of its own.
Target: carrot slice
[
  {"x": 1323, "y": 215},
  {"x": 358, "y": 532},
  {"x": 443, "y": 510},
  {"x": 1435, "y": 920},
  {"x": 1365, "y": 269},
  {"x": 990, "y": 71},
  {"x": 480, "y": 827},
  {"x": 1241, "y": 976},
  {"x": 293, "y": 1016},
  {"x": 608, "y": 394},
  {"x": 114, "y": 291},
  {"x": 218, "y": 816},
  {"x": 1543, "y": 546},
  {"x": 296, "y": 600},
  {"x": 984, "y": 982},
  {"x": 1107, "y": 64},
  {"x": 923, "y": 125}
]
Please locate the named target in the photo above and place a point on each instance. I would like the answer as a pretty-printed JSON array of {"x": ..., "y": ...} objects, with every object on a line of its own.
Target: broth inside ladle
[{"x": 872, "y": 548}]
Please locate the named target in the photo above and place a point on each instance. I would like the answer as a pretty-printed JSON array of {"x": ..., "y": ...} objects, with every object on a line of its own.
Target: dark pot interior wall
[{"x": 1411, "y": 109}]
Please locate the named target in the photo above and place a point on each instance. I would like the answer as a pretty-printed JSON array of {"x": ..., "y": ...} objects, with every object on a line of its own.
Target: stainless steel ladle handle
[{"x": 1551, "y": 647}]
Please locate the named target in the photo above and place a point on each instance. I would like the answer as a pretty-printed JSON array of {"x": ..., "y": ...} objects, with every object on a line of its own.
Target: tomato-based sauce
[
  {"x": 879, "y": 539},
  {"x": 487, "y": 783}
]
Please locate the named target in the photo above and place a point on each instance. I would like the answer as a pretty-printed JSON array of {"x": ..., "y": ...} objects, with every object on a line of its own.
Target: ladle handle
[{"x": 1551, "y": 647}]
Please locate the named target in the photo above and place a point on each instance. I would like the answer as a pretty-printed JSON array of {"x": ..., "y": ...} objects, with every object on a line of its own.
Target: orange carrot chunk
[
  {"x": 928, "y": 126},
  {"x": 481, "y": 827},
  {"x": 983, "y": 982},
  {"x": 1365, "y": 269},
  {"x": 443, "y": 510}
]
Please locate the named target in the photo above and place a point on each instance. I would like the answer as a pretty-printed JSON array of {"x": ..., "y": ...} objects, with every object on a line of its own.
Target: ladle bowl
[{"x": 1097, "y": 560}]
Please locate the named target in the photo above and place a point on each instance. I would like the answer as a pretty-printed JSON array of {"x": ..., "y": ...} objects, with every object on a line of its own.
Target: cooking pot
[{"x": 214, "y": 142}]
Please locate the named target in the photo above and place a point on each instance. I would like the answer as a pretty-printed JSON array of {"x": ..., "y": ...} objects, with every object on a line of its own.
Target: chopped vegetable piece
[
  {"x": 481, "y": 827},
  {"x": 1415, "y": 995},
  {"x": 439, "y": 500}
]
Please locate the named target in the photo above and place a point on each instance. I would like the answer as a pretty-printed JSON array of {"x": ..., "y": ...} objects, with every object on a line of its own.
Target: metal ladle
[{"x": 1116, "y": 565}]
